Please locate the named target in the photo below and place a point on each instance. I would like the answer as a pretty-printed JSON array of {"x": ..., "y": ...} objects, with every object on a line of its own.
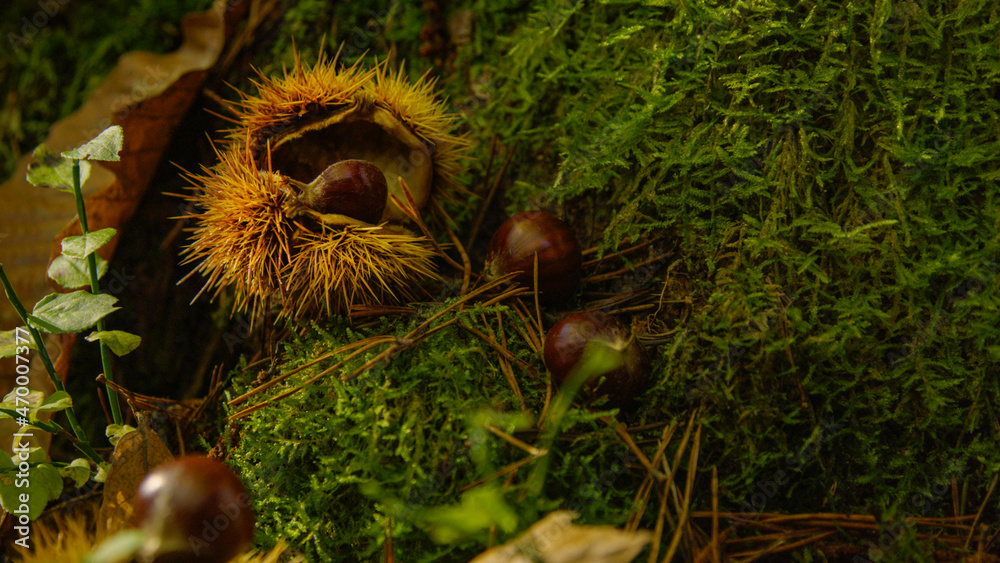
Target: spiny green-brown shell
[{"x": 250, "y": 235}]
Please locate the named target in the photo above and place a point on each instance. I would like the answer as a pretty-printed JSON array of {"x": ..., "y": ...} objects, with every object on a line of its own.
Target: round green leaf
[
  {"x": 71, "y": 312},
  {"x": 11, "y": 340},
  {"x": 114, "y": 432},
  {"x": 82, "y": 245},
  {"x": 58, "y": 401},
  {"x": 74, "y": 273},
  {"x": 78, "y": 470},
  {"x": 50, "y": 170},
  {"x": 119, "y": 341},
  {"x": 105, "y": 146},
  {"x": 43, "y": 484}
]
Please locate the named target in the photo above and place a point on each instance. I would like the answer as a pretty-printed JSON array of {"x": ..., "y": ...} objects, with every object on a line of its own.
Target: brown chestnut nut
[
  {"x": 564, "y": 345},
  {"x": 193, "y": 509},
  {"x": 355, "y": 188},
  {"x": 529, "y": 233}
]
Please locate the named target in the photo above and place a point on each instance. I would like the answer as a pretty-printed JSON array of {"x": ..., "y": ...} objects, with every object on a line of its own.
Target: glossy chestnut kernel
[
  {"x": 566, "y": 341},
  {"x": 193, "y": 509},
  {"x": 355, "y": 188},
  {"x": 520, "y": 238}
]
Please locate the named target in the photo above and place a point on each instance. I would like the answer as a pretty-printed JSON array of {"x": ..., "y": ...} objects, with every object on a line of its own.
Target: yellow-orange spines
[
  {"x": 73, "y": 535},
  {"x": 250, "y": 233},
  {"x": 416, "y": 105},
  {"x": 243, "y": 240},
  {"x": 282, "y": 101},
  {"x": 336, "y": 269}
]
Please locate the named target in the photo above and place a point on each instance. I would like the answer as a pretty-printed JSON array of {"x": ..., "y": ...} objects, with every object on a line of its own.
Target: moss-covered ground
[{"x": 819, "y": 183}]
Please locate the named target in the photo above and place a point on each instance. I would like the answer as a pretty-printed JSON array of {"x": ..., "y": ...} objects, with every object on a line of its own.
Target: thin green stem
[
  {"x": 598, "y": 358},
  {"x": 83, "y": 443},
  {"x": 52, "y": 427},
  {"x": 95, "y": 288}
]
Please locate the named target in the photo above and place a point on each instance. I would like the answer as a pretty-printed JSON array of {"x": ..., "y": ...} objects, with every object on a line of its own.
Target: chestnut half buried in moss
[
  {"x": 537, "y": 233},
  {"x": 567, "y": 339}
]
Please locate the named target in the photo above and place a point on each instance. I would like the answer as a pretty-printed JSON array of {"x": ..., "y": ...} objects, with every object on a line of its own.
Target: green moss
[
  {"x": 823, "y": 179},
  {"x": 831, "y": 194},
  {"x": 410, "y": 434}
]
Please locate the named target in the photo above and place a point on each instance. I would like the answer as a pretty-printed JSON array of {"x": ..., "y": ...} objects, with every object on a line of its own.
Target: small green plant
[
  {"x": 27, "y": 481},
  {"x": 483, "y": 508}
]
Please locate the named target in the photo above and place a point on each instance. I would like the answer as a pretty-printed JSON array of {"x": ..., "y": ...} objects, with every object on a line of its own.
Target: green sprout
[{"x": 78, "y": 266}]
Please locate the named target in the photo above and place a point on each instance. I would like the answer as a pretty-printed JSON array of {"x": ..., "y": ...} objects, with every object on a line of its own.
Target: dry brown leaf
[
  {"x": 554, "y": 539},
  {"x": 148, "y": 95},
  {"x": 135, "y": 455}
]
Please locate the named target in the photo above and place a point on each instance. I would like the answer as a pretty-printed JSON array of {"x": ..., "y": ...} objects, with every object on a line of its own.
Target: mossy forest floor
[{"x": 810, "y": 190}]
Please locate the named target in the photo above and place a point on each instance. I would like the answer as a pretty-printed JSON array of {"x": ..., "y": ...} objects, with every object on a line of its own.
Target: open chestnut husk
[
  {"x": 537, "y": 233},
  {"x": 256, "y": 230},
  {"x": 566, "y": 341},
  {"x": 193, "y": 509}
]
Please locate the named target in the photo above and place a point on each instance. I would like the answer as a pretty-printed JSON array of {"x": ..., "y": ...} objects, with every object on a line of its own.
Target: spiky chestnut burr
[
  {"x": 256, "y": 233},
  {"x": 75, "y": 535}
]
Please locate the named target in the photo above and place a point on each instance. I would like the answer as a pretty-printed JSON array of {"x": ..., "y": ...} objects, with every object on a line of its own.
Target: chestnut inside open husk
[
  {"x": 567, "y": 339},
  {"x": 354, "y": 188},
  {"x": 307, "y": 252}
]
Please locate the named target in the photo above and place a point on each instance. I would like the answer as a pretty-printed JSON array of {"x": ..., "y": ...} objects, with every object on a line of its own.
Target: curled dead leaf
[
  {"x": 148, "y": 95},
  {"x": 555, "y": 539},
  {"x": 136, "y": 453}
]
